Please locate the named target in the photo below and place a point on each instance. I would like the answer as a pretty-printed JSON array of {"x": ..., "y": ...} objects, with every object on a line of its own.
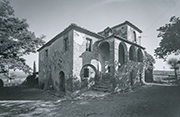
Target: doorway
[
  {"x": 104, "y": 56},
  {"x": 61, "y": 81},
  {"x": 131, "y": 78}
]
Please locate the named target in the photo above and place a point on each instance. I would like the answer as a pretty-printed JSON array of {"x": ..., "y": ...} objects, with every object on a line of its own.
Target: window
[
  {"x": 86, "y": 72},
  {"x": 88, "y": 44},
  {"x": 46, "y": 53},
  {"x": 66, "y": 44},
  {"x": 134, "y": 36}
]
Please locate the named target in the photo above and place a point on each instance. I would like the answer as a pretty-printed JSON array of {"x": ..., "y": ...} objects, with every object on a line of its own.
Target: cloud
[{"x": 111, "y": 1}]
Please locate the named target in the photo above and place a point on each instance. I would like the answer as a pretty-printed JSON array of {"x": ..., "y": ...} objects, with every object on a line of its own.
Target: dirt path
[{"x": 147, "y": 101}]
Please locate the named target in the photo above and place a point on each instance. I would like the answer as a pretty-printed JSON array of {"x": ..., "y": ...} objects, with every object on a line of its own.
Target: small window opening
[
  {"x": 46, "y": 53},
  {"x": 66, "y": 44},
  {"x": 88, "y": 44},
  {"x": 135, "y": 36}
]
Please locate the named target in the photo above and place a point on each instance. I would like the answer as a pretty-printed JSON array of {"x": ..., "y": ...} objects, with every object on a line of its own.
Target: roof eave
[
  {"x": 120, "y": 38},
  {"x": 129, "y": 23}
]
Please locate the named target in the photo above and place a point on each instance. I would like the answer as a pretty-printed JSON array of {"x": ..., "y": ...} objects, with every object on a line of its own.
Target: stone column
[{"x": 112, "y": 64}]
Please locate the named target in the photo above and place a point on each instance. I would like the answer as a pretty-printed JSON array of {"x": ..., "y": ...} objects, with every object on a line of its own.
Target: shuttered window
[{"x": 86, "y": 72}]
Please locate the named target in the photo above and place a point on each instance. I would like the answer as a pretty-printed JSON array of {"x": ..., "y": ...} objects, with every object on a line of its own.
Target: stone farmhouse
[{"x": 79, "y": 59}]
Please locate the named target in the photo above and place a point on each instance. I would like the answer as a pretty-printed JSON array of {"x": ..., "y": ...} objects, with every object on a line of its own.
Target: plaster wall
[{"x": 82, "y": 57}]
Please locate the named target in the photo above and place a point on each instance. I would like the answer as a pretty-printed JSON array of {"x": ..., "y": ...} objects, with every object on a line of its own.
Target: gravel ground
[{"x": 147, "y": 101}]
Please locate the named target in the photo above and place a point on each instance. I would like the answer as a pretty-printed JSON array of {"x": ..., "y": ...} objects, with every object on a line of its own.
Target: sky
[{"x": 50, "y": 17}]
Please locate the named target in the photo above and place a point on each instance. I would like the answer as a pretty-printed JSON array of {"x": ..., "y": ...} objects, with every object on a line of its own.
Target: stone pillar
[{"x": 112, "y": 65}]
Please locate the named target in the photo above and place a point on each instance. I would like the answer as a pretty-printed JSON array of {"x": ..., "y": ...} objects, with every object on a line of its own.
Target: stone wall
[
  {"x": 121, "y": 31},
  {"x": 131, "y": 72},
  {"x": 53, "y": 60},
  {"x": 81, "y": 57},
  {"x": 130, "y": 37}
]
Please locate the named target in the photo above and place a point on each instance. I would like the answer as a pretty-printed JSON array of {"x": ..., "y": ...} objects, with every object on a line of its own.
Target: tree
[
  {"x": 170, "y": 42},
  {"x": 34, "y": 68},
  {"x": 174, "y": 63},
  {"x": 15, "y": 40},
  {"x": 149, "y": 61}
]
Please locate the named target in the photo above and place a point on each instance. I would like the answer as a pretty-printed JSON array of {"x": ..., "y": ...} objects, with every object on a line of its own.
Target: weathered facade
[{"x": 78, "y": 59}]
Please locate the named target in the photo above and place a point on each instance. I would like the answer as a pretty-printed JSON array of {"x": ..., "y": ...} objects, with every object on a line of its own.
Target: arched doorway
[
  {"x": 131, "y": 77},
  {"x": 88, "y": 76},
  {"x": 139, "y": 55},
  {"x": 122, "y": 51},
  {"x": 132, "y": 53},
  {"x": 61, "y": 81},
  {"x": 104, "y": 55}
]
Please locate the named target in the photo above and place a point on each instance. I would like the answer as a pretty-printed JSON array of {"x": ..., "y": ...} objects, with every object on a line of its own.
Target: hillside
[{"x": 17, "y": 78}]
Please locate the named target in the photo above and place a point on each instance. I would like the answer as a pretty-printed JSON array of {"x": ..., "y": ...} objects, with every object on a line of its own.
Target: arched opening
[
  {"x": 139, "y": 55},
  {"x": 88, "y": 70},
  {"x": 88, "y": 76},
  {"x": 122, "y": 53},
  {"x": 104, "y": 55},
  {"x": 132, "y": 53},
  {"x": 61, "y": 81}
]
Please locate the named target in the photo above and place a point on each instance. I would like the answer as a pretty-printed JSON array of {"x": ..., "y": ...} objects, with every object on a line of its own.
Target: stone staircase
[{"x": 103, "y": 85}]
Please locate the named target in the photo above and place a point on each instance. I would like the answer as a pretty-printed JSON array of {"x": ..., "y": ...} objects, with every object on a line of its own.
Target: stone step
[
  {"x": 102, "y": 86},
  {"x": 106, "y": 80},
  {"x": 100, "y": 89},
  {"x": 103, "y": 83}
]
